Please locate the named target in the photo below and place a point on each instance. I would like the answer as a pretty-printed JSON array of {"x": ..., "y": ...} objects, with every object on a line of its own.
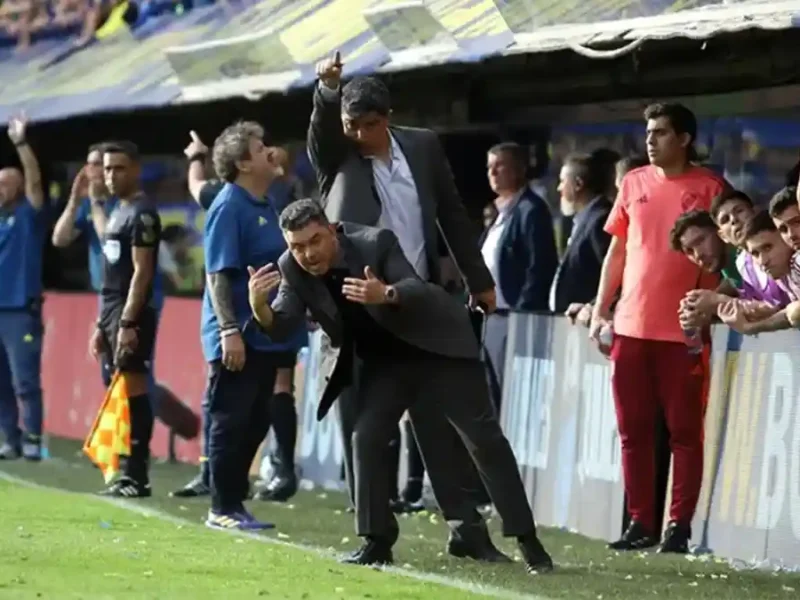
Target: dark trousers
[
  {"x": 649, "y": 376},
  {"x": 239, "y": 416},
  {"x": 453, "y": 476},
  {"x": 386, "y": 390},
  {"x": 495, "y": 334},
  {"x": 21, "y": 336}
]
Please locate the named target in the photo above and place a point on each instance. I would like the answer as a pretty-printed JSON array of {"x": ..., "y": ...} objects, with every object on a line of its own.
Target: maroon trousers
[{"x": 647, "y": 374}]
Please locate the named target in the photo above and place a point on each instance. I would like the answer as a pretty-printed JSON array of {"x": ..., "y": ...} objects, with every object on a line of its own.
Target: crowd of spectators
[{"x": 22, "y": 22}]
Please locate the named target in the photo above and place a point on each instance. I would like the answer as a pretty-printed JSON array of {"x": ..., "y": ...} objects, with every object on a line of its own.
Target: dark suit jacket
[
  {"x": 579, "y": 274},
  {"x": 426, "y": 316},
  {"x": 528, "y": 256},
  {"x": 348, "y": 190}
]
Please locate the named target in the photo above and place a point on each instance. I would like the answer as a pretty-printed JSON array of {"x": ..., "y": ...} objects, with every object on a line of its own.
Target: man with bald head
[{"x": 22, "y": 231}]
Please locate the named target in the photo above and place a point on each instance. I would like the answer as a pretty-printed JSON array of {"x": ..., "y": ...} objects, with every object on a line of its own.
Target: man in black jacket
[
  {"x": 417, "y": 346},
  {"x": 376, "y": 174}
]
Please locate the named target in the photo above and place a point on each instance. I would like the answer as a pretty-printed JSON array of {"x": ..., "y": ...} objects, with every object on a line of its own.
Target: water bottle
[{"x": 694, "y": 340}]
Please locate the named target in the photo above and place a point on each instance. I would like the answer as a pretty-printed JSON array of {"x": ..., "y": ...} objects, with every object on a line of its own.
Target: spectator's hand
[
  {"x": 757, "y": 311},
  {"x": 196, "y": 146},
  {"x": 16, "y": 129},
  {"x": 486, "y": 301},
  {"x": 585, "y": 315},
  {"x": 733, "y": 316},
  {"x": 329, "y": 71},
  {"x": 704, "y": 301},
  {"x": 573, "y": 310},
  {"x": 599, "y": 322},
  {"x": 80, "y": 186}
]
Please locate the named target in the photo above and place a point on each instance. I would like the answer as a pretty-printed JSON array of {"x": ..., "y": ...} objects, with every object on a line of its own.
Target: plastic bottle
[{"x": 694, "y": 340}]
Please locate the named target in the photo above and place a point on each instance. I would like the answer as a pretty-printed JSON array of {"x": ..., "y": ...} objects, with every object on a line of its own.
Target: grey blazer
[
  {"x": 425, "y": 316},
  {"x": 348, "y": 192}
]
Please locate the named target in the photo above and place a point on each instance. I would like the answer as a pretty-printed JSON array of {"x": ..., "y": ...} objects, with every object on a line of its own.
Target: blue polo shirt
[
  {"x": 22, "y": 233},
  {"x": 240, "y": 231},
  {"x": 83, "y": 223}
]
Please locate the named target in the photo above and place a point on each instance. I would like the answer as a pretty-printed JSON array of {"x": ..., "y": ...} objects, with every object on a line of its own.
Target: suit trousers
[
  {"x": 455, "y": 481},
  {"x": 647, "y": 374},
  {"x": 457, "y": 387},
  {"x": 495, "y": 334}
]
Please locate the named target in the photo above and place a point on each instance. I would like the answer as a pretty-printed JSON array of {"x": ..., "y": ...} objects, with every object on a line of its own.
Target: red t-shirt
[{"x": 656, "y": 277}]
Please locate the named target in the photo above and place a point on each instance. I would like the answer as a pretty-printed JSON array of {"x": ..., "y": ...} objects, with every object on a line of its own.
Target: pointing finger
[{"x": 195, "y": 137}]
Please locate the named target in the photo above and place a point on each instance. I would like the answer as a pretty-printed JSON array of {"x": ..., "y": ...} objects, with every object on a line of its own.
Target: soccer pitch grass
[{"x": 61, "y": 545}]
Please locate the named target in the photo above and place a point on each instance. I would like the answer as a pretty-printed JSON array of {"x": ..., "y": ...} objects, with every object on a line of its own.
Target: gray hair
[
  {"x": 302, "y": 213},
  {"x": 233, "y": 145}
]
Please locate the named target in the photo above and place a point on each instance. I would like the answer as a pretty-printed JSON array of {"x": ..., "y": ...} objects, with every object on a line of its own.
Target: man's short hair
[
  {"x": 681, "y": 118},
  {"x": 125, "y": 147},
  {"x": 783, "y": 200},
  {"x": 364, "y": 95},
  {"x": 233, "y": 145},
  {"x": 301, "y": 213},
  {"x": 627, "y": 164},
  {"x": 98, "y": 147},
  {"x": 518, "y": 154},
  {"x": 593, "y": 172},
  {"x": 762, "y": 221},
  {"x": 727, "y": 196},
  {"x": 693, "y": 218}
]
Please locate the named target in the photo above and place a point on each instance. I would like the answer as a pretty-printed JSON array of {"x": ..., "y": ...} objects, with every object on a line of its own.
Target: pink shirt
[{"x": 656, "y": 278}]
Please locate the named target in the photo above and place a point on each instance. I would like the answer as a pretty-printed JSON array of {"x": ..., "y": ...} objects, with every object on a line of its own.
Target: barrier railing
[{"x": 558, "y": 414}]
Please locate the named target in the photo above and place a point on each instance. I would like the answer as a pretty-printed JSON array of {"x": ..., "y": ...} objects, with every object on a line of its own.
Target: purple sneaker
[{"x": 241, "y": 520}]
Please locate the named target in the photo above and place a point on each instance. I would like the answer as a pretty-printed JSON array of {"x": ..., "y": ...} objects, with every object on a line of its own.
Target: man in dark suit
[
  {"x": 369, "y": 301},
  {"x": 398, "y": 177},
  {"x": 519, "y": 248},
  {"x": 583, "y": 187}
]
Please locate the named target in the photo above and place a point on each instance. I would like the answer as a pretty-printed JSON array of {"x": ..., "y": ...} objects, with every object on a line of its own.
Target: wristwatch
[
  {"x": 201, "y": 156},
  {"x": 126, "y": 324},
  {"x": 390, "y": 294}
]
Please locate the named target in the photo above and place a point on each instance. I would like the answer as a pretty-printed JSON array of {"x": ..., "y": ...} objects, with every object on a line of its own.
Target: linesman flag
[{"x": 110, "y": 436}]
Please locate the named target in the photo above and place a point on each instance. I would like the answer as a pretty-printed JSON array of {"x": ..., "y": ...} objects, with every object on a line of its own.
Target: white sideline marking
[{"x": 475, "y": 588}]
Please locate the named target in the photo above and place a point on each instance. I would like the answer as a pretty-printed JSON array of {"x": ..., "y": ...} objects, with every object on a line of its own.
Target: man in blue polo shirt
[
  {"x": 241, "y": 231},
  {"x": 22, "y": 234},
  {"x": 88, "y": 191},
  {"x": 283, "y": 413}
]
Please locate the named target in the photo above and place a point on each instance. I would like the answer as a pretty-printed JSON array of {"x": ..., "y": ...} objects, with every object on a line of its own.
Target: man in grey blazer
[
  {"x": 357, "y": 284},
  {"x": 398, "y": 177}
]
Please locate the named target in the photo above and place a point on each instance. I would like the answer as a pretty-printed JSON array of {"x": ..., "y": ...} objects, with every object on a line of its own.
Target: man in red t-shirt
[{"x": 652, "y": 366}]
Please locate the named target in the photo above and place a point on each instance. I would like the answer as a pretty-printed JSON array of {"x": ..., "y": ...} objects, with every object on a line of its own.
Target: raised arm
[
  {"x": 196, "y": 153},
  {"x": 326, "y": 143},
  {"x": 17, "y": 128},
  {"x": 67, "y": 230}
]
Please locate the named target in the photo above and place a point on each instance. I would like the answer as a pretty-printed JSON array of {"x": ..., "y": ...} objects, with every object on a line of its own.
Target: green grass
[
  {"x": 59, "y": 545},
  {"x": 585, "y": 568}
]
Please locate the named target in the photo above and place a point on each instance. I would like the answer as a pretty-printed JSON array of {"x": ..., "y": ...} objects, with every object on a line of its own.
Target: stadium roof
[{"x": 253, "y": 48}]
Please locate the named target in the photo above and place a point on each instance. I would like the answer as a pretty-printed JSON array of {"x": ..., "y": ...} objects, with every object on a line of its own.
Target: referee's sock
[
  {"x": 141, "y": 412},
  {"x": 284, "y": 423}
]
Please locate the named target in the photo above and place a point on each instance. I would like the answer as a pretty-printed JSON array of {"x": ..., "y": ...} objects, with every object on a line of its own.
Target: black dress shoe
[
  {"x": 483, "y": 550},
  {"x": 636, "y": 537},
  {"x": 280, "y": 489},
  {"x": 676, "y": 539},
  {"x": 536, "y": 558},
  {"x": 194, "y": 489},
  {"x": 375, "y": 551}
]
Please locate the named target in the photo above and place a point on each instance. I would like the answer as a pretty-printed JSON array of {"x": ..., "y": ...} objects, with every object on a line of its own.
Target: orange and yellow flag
[{"x": 110, "y": 436}]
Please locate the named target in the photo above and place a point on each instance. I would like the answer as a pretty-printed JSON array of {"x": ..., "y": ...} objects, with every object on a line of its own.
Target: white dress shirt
[{"x": 491, "y": 248}]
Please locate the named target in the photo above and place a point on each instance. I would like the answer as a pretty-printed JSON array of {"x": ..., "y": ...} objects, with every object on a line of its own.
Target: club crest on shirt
[{"x": 112, "y": 251}]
